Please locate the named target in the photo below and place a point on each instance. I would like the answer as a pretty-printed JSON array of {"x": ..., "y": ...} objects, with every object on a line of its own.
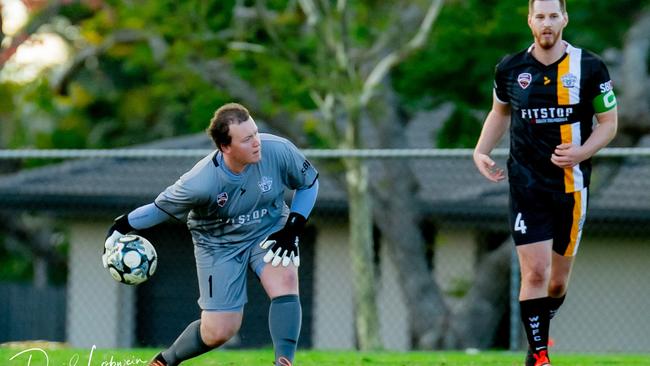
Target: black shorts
[{"x": 537, "y": 215}]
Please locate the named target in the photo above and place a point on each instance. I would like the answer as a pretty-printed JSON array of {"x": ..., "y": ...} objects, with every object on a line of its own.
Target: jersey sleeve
[
  {"x": 299, "y": 172},
  {"x": 178, "y": 199},
  {"x": 600, "y": 89},
  {"x": 500, "y": 84}
]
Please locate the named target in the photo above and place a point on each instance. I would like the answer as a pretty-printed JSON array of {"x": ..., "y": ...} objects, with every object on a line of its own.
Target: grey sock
[
  {"x": 188, "y": 345},
  {"x": 285, "y": 317}
]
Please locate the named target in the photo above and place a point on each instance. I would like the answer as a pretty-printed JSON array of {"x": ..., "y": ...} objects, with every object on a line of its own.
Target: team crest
[
  {"x": 569, "y": 80},
  {"x": 222, "y": 198},
  {"x": 524, "y": 79},
  {"x": 265, "y": 184}
]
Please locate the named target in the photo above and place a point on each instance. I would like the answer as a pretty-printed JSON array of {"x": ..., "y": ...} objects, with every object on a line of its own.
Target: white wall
[
  {"x": 100, "y": 311},
  {"x": 606, "y": 308}
]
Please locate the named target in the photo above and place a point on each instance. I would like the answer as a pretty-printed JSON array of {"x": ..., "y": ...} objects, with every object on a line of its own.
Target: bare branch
[
  {"x": 309, "y": 8},
  {"x": 395, "y": 57}
]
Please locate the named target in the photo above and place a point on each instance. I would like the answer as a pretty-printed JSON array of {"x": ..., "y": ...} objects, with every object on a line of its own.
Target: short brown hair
[
  {"x": 531, "y": 2},
  {"x": 226, "y": 115}
]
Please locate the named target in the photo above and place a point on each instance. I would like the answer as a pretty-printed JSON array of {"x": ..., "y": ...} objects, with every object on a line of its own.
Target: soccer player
[
  {"x": 547, "y": 95},
  {"x": 236, "y": 213}
]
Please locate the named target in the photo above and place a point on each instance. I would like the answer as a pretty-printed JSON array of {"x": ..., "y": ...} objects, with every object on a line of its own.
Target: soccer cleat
[
  {"x": 530, "y": 360},
  {"x": 158, "y": 361},
  {"x": 541, "y": 359}
]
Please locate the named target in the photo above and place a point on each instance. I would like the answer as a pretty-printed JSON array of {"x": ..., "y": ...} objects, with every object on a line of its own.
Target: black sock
[
  {"x": 554, "y": 304},
  {"x": 188, "y": 345},
  {"x": 285, "y": 317},
  {"x": 536, "y": 318}
]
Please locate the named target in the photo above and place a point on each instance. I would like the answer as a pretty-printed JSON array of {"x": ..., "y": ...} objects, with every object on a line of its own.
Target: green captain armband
[{"x": 604, "y": 102}]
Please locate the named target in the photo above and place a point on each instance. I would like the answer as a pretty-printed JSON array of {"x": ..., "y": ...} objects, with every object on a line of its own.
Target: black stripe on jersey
[{"x": 170, "y": 215}]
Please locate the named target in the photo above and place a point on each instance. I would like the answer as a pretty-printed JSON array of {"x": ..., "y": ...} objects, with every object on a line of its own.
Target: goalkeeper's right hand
[{"x": 119, "y": 228}]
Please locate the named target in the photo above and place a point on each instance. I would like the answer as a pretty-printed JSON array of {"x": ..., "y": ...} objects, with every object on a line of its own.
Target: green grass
[{"x": 130, "y": 357}]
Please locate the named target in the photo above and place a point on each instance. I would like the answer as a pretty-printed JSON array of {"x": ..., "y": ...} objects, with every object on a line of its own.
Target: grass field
[{"x": 36, "y": 356}]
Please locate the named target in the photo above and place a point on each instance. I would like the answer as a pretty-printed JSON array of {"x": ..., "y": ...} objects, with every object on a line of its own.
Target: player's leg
[
  {"x": 222, "y": 295},
  {"x": 558, "y": 285},
  {"x": 570, "y": 215},
  {"x": 285, "y": 312},
  {"x": 532, "y": 232},
  {"x": 535, "y": 264},
  {"x": 211, "y": 331}
]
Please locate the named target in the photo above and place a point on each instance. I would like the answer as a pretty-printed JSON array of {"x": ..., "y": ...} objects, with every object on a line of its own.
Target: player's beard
[{"x": 546, "y": 40}]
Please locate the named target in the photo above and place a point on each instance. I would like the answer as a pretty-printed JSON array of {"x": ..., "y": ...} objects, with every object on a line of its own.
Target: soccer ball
[{"x": 133, "y": 260}]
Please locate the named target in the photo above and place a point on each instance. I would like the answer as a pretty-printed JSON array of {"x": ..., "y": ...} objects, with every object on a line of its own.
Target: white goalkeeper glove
[
  {"x": 120, "y": 225},
  {"x": 110, "y": 246}
]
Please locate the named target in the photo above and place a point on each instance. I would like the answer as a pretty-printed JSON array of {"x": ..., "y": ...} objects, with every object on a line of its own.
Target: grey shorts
[{"x": 221, "y": 272}]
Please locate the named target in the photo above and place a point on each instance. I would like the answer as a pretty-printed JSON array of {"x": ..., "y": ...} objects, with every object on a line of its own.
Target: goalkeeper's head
[{"x": 224, "y": 116}]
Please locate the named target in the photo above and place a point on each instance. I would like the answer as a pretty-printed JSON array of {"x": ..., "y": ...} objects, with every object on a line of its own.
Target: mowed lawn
[{"x": 37, "y": 356}]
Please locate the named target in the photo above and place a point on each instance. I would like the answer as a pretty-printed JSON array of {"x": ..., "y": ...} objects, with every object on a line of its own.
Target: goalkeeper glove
[
  {"x": 120, "y": 227},
  {"x": 283, "y": 244}
]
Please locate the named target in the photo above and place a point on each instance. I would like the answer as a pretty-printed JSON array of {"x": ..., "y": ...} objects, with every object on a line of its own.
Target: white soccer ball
[{"x": 133, "y": 261}]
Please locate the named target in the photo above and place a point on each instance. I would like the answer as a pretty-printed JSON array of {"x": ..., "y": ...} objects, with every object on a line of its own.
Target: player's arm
[
  {"x": 141, "y": 218},
  {"x": 569, "y": 155},
  {"x": 495, "y": 126},
  {"x": 283, "y": 246}
]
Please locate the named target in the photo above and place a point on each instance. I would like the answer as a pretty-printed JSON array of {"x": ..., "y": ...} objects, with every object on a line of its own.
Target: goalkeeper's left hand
[
  {"x": 283, "y": 245},
  {"x": 119, "y": 228}
]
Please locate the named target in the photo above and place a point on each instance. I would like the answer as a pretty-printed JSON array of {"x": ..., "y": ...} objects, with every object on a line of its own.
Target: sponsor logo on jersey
[
  {"x": 222, "y": 198},
  {"x": 265, "y": 184},
  {"x": 305, "y": 167},
  {"x": 255, "y": 217},
  {"x": 547, "y": 80},
  {"x": 524, "y": 79},
  {"x": 547, "y": 115},
  {"x": 605, "y": 87},
  {"x": 569, "y": 80}
]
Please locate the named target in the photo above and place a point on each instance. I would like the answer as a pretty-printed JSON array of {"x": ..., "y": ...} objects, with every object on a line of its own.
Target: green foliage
[
  {"x": 148, "y": 89},
  {"x": 472, "y": 36},
  {"x": 14, "y": 267},
  {"x": 461, "y": 130},
  {"x": 468, "y": 40}
]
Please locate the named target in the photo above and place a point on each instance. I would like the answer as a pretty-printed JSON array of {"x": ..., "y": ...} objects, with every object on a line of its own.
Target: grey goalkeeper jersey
[{"x": 228, "y": 208}]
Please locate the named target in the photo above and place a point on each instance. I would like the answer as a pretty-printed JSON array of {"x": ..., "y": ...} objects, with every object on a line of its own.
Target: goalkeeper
[{"x": 236, "y": 213}]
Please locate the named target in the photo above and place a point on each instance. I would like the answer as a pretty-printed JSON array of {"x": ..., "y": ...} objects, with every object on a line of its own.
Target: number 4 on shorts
[{"x": 519, "y": 224}]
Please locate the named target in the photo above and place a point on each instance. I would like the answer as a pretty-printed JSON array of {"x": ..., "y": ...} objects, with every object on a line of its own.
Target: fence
[{"x": 62, "y": 210}]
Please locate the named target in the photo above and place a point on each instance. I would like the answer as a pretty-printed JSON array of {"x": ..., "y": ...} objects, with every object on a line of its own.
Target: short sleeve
[
  {"x": 501, "y": 85},
  {"x": 180, "y": 198},
  {"x": 300, "y": 173},
  {"x": 599, "y": 88}
]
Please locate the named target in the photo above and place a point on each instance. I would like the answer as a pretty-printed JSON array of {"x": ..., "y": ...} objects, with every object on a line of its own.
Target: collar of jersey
[
  {"x": 536, "y": 61},
  {"x": 230, "y": 173}
]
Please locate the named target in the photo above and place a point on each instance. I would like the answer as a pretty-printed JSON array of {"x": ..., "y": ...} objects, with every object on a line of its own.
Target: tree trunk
[
  {"x": 398, "y": 212},
  {"x": 361, "y": 254},
  {"x": 475, "y": 324},
  {"x": 361, "y": 239}
]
